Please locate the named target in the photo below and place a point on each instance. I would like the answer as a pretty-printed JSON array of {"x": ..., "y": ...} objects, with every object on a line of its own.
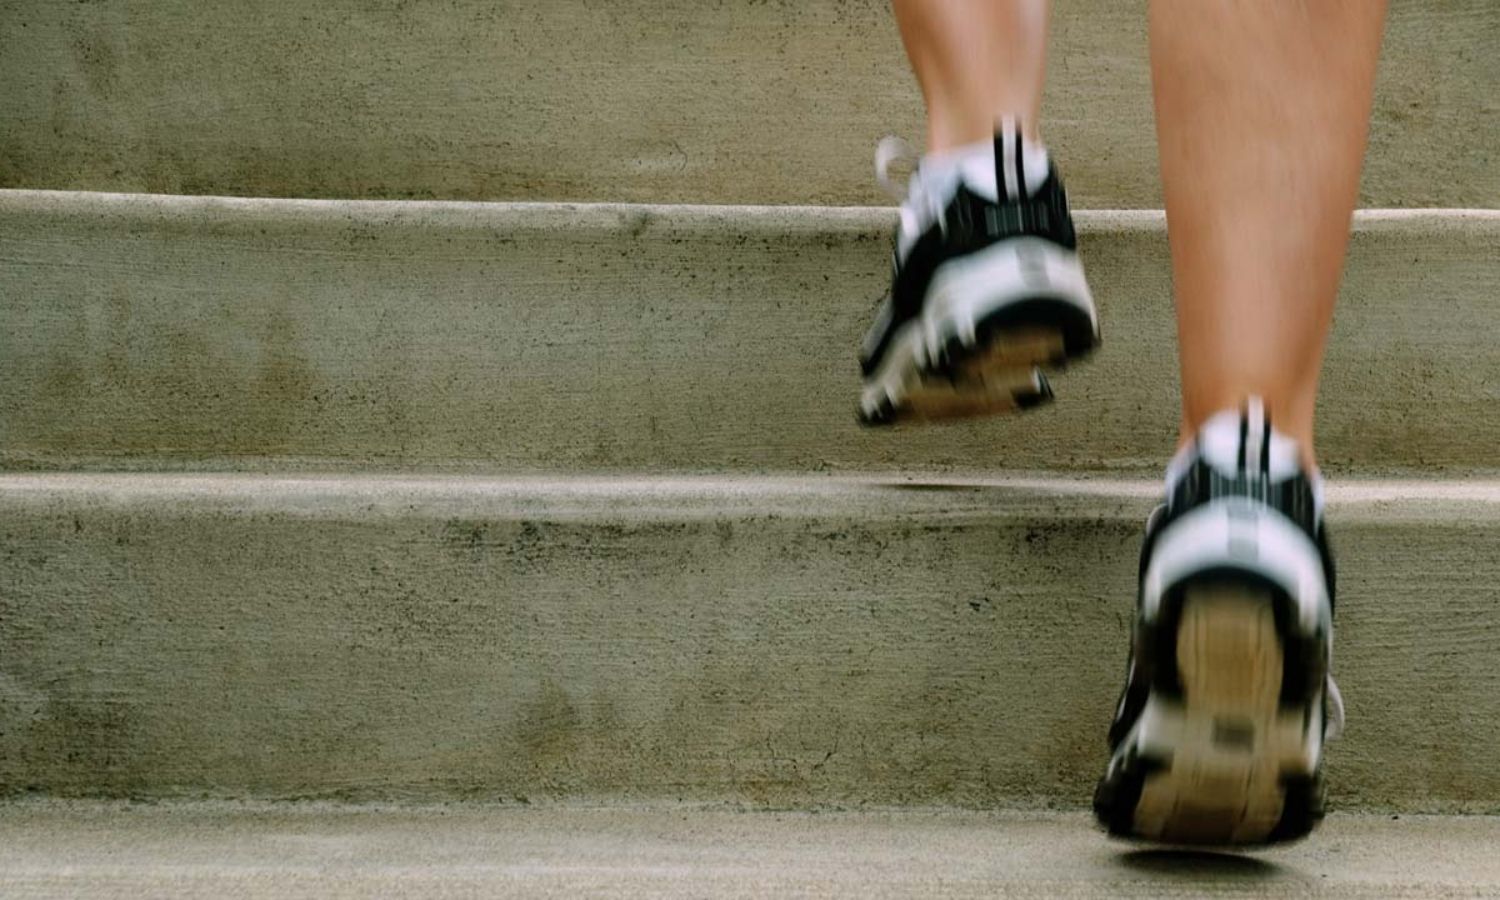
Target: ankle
[
  {"x": 1290, "y": 416},
  {"x": 979, "y": 164},
  {"x": 1287, "y": 441},
  {"x": 948, "y": 133}
]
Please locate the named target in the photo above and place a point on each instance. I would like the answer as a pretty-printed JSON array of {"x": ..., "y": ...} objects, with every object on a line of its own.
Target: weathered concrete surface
[
  {"x": 771, "y": 641},
  {"x": 650, "y": 100},
  {"x": 151, "y": 331},
  {"x": 317, "y": 851}
]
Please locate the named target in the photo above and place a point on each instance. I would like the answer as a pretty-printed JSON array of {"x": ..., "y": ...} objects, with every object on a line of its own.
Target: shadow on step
[
  {"x": 931, "y": 486},
  {"x": 1199, "y": 863}
]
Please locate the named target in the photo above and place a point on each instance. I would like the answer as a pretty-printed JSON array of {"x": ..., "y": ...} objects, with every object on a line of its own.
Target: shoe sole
[
  {"x": 990, "y": 322},
  {"x": 1228, "y": 748}
]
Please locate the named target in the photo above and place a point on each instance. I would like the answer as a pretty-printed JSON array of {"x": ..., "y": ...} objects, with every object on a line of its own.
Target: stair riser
[
  {"x": 156, "y": 332},
  {"x": 947, "y": 646},
  {"x": 653, "y": 100}
]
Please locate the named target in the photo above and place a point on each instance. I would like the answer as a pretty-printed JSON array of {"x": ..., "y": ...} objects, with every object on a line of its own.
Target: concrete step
[
  {"x": 769, "y": 641},
  {"x": 166, "y": 332},
  {"x": 676, "y": 101},
  {"x": 326, "y": 852}
]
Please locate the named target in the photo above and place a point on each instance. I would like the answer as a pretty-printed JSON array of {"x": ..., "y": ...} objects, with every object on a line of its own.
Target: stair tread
[{"x": 462, "y": 850}]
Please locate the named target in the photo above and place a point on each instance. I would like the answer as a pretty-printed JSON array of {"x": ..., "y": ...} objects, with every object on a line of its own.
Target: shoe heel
[{"x": 1018, "y": 304}]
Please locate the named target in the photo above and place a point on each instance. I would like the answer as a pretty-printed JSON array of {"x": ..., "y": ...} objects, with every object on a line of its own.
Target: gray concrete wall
[
  {"x": 650, "y": 100},
  {"x": 156, "y": 332},
  {"x": 767, "y": 641}
]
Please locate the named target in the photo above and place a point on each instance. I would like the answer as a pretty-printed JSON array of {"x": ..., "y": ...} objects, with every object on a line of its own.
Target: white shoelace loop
[
  {"x": 1334, "y": 727},
  {"x": 917, "y": 207},
  {"x": 891, "y": 149}
]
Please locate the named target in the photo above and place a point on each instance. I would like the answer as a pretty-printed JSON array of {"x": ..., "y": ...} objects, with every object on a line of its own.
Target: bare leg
[
  {"x": 977, "y": 61},
  {"x": 984, "y": 218},
  {"x": 1262, "y": 111}
]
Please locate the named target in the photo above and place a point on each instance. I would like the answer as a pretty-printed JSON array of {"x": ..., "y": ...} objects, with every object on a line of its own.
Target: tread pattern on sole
[
  {"x": 1227, "y": 757},
  {"x": 996, "y": 369},
  {"x": 941, "y": 399}
]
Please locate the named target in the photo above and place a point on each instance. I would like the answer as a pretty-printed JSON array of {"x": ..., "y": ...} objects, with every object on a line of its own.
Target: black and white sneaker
[
  {"x": 1218, "y": 738},
  {"x": 987, "y": 286}
]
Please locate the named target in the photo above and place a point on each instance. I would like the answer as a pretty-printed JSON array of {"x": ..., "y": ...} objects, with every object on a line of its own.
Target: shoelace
[
  {"x": 891, "y": 149},
  {"x": 1334, "y": 727},
  {"x": 916, "y": 203}
]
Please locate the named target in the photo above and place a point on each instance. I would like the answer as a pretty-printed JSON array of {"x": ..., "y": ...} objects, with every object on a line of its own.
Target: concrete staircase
[{"x": 402, "y": 496}]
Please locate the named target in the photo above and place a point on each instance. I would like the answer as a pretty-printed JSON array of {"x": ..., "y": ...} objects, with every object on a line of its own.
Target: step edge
[
  {"x": 653, "y": 496},
  {"x": 106, "y": 207}
]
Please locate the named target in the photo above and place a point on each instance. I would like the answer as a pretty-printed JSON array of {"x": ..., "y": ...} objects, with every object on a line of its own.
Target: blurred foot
[{"x": 987, "y": 287}]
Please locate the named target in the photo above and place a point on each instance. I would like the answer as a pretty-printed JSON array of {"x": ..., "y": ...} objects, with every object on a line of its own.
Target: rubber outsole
[
  {"x": 997, "y": 369},
  {"x": 937, "y": 399},
  {"x": 1227, "y": 750}
]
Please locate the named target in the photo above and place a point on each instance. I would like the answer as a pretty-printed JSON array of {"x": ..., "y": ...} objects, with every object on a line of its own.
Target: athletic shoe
[
  {"x": 987, "y": 286},
  {"x": 1218, "y": 738}
]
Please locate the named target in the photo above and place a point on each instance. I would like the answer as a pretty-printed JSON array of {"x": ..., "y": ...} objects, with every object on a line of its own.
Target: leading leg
[
  {"x": 977, "y": 62},
  {"x": 986, "y": 285}
]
